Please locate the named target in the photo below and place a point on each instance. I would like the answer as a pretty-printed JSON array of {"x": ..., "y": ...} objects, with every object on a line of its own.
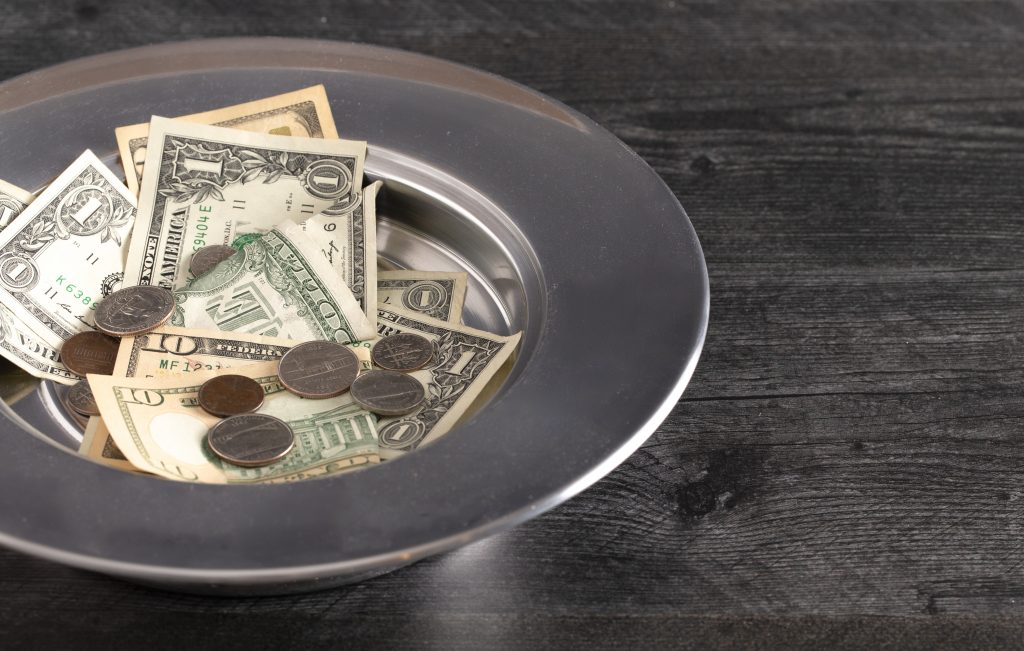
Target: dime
[
  {"x": 89, "y": 352},
  {"x": 134, "y": 310},
  {"x": 79, "y": 398},
  {"x": 402, "y": 352},
  {"x": 209, "y": 257},
  {"x": 230, "y": 395},
  {"x": 318, "y": 369},
  {"x": 251, "y": 439},
  {"x": 388, "y": 393}
]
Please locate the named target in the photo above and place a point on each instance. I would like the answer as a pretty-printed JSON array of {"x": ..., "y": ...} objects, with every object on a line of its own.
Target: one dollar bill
[
  {"x": 436, "y": 294},
  {"x": 160, "y": 428},
  {"x": 211, "y": 185},
  {"x": 18, "y": 342},
  {"x": 349, "y": 242},
  {"x": 30, "y": 352},
  {"x": 278, "y": 285},
  {"x": 464, "y": 361},
  {"x": 12, "y": 201},
  {"x": 65, "y": 252},
  {"x": 304, "y": 112}
]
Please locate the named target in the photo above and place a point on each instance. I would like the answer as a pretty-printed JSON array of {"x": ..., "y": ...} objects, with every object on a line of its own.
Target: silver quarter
[
  {"x": 208, "y": 257},
  {"x": 388, "y": 393},
  {"x": 318, "y": 369},
  {"x": 251, "y": 439},
  {"x": 402, "y": 352},
  {"x": 134, "y": 310}
]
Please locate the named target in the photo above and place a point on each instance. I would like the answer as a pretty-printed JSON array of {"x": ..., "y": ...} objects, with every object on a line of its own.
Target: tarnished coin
[
  {"x": 230, "y": 395},
  {"x": 388, "y": 393},
  {"x": 251, "y": 439},
  {"x": 402, "y": 352},
  {"x": 318, "y": 369},
  {"x": 80, "y": 398},
  {"x": 90, "y": 352},
  {"x": 209, "y": 257},
  {"x": 134, "y": 310}
]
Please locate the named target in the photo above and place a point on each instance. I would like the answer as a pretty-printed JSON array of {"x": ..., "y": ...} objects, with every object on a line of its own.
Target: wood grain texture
[{"x": 845, "y": 469}]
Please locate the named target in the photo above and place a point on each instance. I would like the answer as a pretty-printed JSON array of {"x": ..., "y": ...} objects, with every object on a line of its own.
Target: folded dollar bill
[
  {"x": 159, "y": 427},
  {"x": 59, "y": 257},
  {"x": 169, "y": 351},
  {"x": 436, "y": 294},
  {"x": 12, "y": 201},
  {"x": 465, "y": 359},
  {"x": 278, "y": 285},
  {"x": 349, "y": 242},
  {"x": 18, "y": 342},
  {"x": 305, "y": 112},
  {"x": 212, "y": 185},
  {"x": 29, "y": 351}
]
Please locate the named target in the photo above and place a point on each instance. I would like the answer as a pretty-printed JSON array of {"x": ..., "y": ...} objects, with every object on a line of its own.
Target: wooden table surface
[{"x": 845, "y": 469}]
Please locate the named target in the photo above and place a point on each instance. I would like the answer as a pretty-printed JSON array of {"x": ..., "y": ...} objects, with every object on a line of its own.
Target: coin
[
  {"x": 402, "y": 352},
  {"x": 209, "y": 257},
  {"x": 318, "y": 369},
  {"x": 134, "y": 310},
  {"x": 80, "y": 398},
  {"x": 230, "y": 395},
  {"x": 251, "y": 439},
  {"x": 388, "y": 393},
  {"x": 89, "y": 352}
]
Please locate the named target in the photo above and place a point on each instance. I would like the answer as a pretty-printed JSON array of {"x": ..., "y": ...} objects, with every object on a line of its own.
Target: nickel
[
  {"x": 208, "y": 257},
  {"x": 388, "y": 393},
  {"x": 80, "y": 398},
  {"x": 230, "y": 395},
  {"x": 251, "y": 439},
  {"x": 318, "y": 369},
  {"x": 402, "y": 352},
  {"x": 134, "y": 310},
  {"x": 89, "y": 352}
]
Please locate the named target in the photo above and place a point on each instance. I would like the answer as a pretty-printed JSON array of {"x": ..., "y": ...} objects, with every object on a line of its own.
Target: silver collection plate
[{"x": 566, "y": 234}]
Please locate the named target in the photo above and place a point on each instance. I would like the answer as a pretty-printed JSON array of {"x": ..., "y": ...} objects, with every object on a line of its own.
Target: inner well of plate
[{"x": 427, "y": 221}]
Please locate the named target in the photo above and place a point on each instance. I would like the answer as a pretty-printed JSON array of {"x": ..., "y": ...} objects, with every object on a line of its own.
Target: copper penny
[
  {"x": 208, "y": 257},
  {"x": 318, "y": 369},
  {"x": 388, "y": 393},
  {"x": 80, "y": 398},
  {"x": 404, "y": 351},
  {"x": 134, "y": 310},
  {"x": 251, "y": 439},
  {"x": 90, "y": 352},
  {"x": 230, "y": 395}
]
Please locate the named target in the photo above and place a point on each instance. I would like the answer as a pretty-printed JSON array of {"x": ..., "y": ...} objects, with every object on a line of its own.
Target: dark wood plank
[{"x": 844, "y": 470}]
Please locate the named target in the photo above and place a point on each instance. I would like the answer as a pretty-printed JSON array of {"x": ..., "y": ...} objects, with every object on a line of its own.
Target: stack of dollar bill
[{"x": 272, "y": 179}]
